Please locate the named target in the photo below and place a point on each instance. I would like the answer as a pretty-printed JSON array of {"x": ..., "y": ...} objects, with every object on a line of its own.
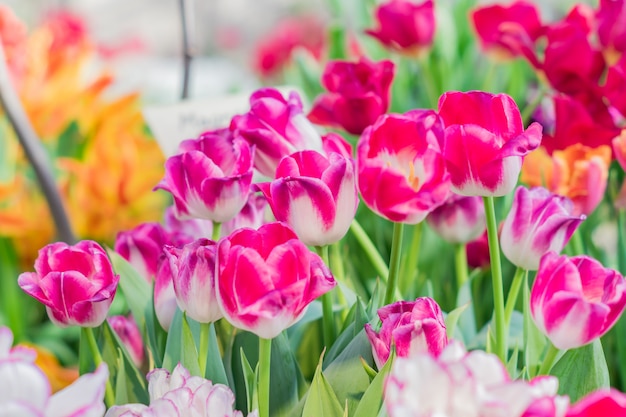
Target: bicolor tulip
[
  {"x": 457, "y": 383},
  {"x": 211, "y": 179},
  {"x": 276, "y": 127},
  {"x": 141, "y": 247},
  {"x": 509, "y": 30},
  {"x": 539, "y": 221},
  {"x": 180, "y": 394},
  {"x": 401, "y": 170},
  {"x": 358, "y": 93},
  {"x": 410, "y": 327},
  {"x": 578, "y": 172},
  {"x": 26, "y": 390},
  {"x": 194, "y": 280},
  {"x": 75, "y": 283},
  {"x": 315, "y": 195},
  {"x": 575, "y": 300},
  {"x": 186, "y": 230},
  {"x": 604, "y": 402},
  {"x": 485, "y": 142},
  {"x": 128, "y": 332},
  {"x": 405, "y": 26},
  {"x": 253, "y": 215},
  {"x": 165, "y": 304},
  {"x": 266, "y": 279},
  {"x": 459, "y": 220}
]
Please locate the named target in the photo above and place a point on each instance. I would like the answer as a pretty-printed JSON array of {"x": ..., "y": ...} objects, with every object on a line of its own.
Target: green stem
[
  {"x": 203, "y": 348},
  {"x": 328, "y": 318},
  {"x": 530, "y": 107},
  {"x": 265, "y": 358},
  {"x": 487, "y": 84},
  {"x": 577, "y": 245},
  {"x": 217, "y": 229},
  {"x": 394, "y": 262},
  {"x": 336, "y": 266},
  {"x": 87, "y": 333},
  {"x": 428, "y": 82},
  {"x": 370, "y": 250},
  {"x": 496, "y": 277},
  {"x": 621, "y": 242},
  {"x": 511, "y": 299},
  {"x": 460, "y": 265},
  {"x": 409, "y": 264},
  {"x": 548, "y": 360}
]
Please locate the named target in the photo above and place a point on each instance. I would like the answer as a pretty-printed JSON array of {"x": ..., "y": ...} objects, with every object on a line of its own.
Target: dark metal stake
[
  {"x": 34, "y": 151},
  {"x": 189, "y": 48}
]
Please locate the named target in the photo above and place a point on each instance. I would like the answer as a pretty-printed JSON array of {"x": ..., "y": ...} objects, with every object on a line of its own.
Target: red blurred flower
[
  {"x": 358, "y": 92},
  {"x": 273, "y": 52},
  {"x": 477, "y": 252},
  {"x": 615, "y": 85},
  {"x": 611, "y": 27},
  {"x": 405, "y": 26},
  {"x": 600, "y": 403},
  {"x": 508, "y": 31}
]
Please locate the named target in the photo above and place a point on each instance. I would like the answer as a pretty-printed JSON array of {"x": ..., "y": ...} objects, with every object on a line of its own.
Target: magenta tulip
[
  {"x": 316, "y": 196},
  {"x": 211, "y": 179},
  {"x": 410, "y": 327},
  {"x": 401, "y": 171},
  {"x": 128, "y": 332},
  {"x": 575, "y": 300},
  {"x": 485, "y": 142},
  {"x": 165, "y": 304},
  {"x": 253, "y": 215},
  {"x": 276, "y": 127},
  {"x": 459, "y": 220},
  {"x": 405, "y": 26},
  {"x": 601, "y": 403},
  {"x": 610, "y": 18},
  {"x": 358, "y": 93},
  {"x": 539, "y": 221},
  {"x": 266, "y": 278},
  {"x": 194, "y": 280},
  {"x": 75, "y": 283}
]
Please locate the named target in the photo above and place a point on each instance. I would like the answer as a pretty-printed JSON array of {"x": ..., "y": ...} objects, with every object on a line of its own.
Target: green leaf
[
  {"x": 581, "y": 371},
  {"x": 534, "y": 340},
  {"x": 452, "y": 319},
  {"x": 71, "y": 142},
  {"x": 321, "y": 400},
  {"x": 372, "y": 399},
  {"x": 348, "y": 335},
  {"x": 249, "y": 378},
  {"x": 215, "y": 371},
  {"x": 139, "y": 296},
  {"x": 181, "y": 344}
]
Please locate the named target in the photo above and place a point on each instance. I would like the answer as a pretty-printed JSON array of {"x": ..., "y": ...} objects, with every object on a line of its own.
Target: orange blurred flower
[
  {"x": 578, "y": 172},
  {"x": 58, "y": 376}
]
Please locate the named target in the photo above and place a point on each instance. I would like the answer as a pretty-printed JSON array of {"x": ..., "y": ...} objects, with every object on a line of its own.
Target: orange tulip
[{"x": 578, "y": 172}]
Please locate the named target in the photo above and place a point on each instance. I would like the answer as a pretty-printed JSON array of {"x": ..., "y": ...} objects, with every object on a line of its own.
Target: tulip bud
[
  {"x": 128, "y": 332},
  {"x": 459, "y": 220}
]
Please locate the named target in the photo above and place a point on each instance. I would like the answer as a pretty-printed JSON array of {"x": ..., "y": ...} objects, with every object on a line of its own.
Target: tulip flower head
[
  {"x": 610, "y": 18},
  {"x": 405, "y": 26},
  {"x": 410, "y": 327},
  {"x": 485, "y": 142},
  {"x": 211, "y": 178},
  {"x": 600, "y": 403},
  {"x": 75, "y": 283},
  {"x": 276, "y": 127},
  {"x": 128, "y": 332},
  {"x": 401, "y": 171},
  {"x": 539, "y": 221},
  {"x": 358, "y": 93},
  {"x": 316, "y": 196},
  {"x": 194, "y": 280},
  {"x": 460, "y": 219},
  {"x": 25, "y": 390},
  {"x": 266, "y": 278},
  {"x": 575, "y": 300},
  {"x": 165, "y": 303}
]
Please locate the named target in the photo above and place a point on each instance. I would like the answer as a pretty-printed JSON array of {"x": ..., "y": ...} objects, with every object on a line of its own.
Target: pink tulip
[
  {"x": 26, "y": 391},
  {"x": 179, "y": 395},
  {"x": 165, "y": 304},
  {"x": 575, "y": 300},
  {"x": 615, "y": 85},
  {"x": 276, "y": 127},
  {"x": 75, "y": 283},
  {"x": 194, "y": 281},
  {"x": 485, "y": 142},
  {"x": 508, "y": 30},
  {"x": 459, "y": 220},
  {"x": 266, "y": 278},
  {"x": 410, "y": 327},
  {"x": 358, "y": 93},
  {"x": 610, "y": 18},
  {"x": 600, "y": 403},
  {"x": 405, "y": 26},
  {"x": 539, "y": 221},
  {"x": 402, "y": 175},
  {"x": 192, "y": 229},
  {"x": 253, "y": 215},
  {"x": 142, "y": 246},
  {"x": 477, "y": 252},
  {"x": 545, "y": 401},
  {"x": 456, "y": 383},
  {"x": 211, "y": 179},
  {"x": 128, "y": 332},
  {"x": 332, "y": 142},
  {"x": 316, "y": 196}
]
